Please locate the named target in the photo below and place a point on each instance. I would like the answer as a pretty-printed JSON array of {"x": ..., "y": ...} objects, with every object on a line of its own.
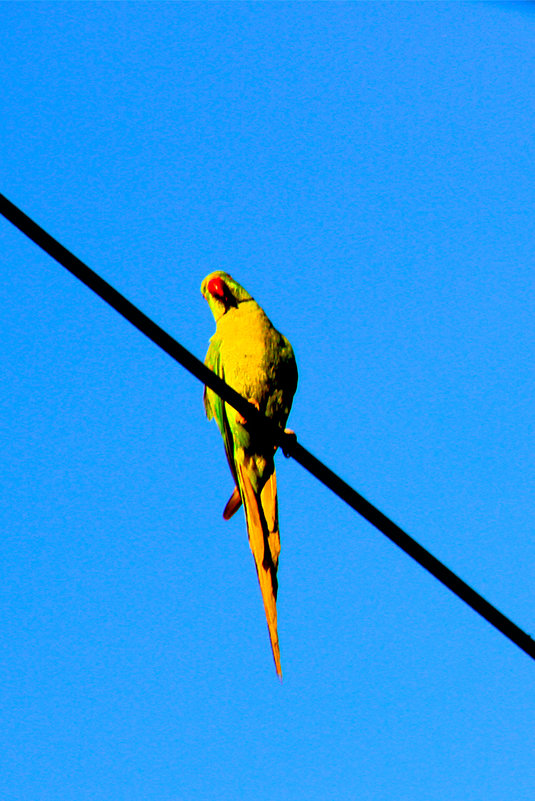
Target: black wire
[{"x": 288, "y": 442}]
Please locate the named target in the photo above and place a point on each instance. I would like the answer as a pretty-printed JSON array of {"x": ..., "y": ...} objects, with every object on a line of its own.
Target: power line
[{"x": 288, "y": 442}]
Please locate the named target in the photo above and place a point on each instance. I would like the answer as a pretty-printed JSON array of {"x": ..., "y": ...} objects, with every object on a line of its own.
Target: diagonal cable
[{"x": 288, "y": 442}]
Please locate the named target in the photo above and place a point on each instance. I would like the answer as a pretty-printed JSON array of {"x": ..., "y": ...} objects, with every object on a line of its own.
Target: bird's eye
[{"x": 216, "y": 287}]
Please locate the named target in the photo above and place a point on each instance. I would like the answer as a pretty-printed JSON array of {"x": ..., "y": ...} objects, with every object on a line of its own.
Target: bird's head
[{"x": 222, "y": 293}]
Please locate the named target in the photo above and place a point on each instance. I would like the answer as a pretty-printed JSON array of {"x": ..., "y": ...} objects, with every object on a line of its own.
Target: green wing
[{"x": 214, "y": 406}]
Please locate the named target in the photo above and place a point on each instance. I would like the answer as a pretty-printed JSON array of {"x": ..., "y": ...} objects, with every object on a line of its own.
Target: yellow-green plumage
[{"x": 258, "y": 362}]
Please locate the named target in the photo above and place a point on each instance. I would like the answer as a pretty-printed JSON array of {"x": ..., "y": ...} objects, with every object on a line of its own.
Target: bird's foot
[
  {"x": 240, "y": 418},
  {"x": 288, "y": 441}
]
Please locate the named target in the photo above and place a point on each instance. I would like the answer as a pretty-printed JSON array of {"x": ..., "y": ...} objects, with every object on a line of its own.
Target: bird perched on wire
[{"x": 256, "y": 360}]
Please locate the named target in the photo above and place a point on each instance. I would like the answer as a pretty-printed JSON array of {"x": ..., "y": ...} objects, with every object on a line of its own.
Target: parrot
[{"x": 257, "y": 361}]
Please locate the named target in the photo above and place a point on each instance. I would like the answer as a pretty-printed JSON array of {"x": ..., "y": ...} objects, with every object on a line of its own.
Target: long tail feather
[
  {"x": 264, "y": 541},
  {"x": 268, "y": 500}
]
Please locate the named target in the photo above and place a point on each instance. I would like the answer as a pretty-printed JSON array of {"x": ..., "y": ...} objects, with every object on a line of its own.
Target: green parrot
[{"x": 258, "y": 362}]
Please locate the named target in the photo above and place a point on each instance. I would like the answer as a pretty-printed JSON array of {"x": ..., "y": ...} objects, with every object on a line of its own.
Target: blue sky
[{"x": 366, "y": 171}]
